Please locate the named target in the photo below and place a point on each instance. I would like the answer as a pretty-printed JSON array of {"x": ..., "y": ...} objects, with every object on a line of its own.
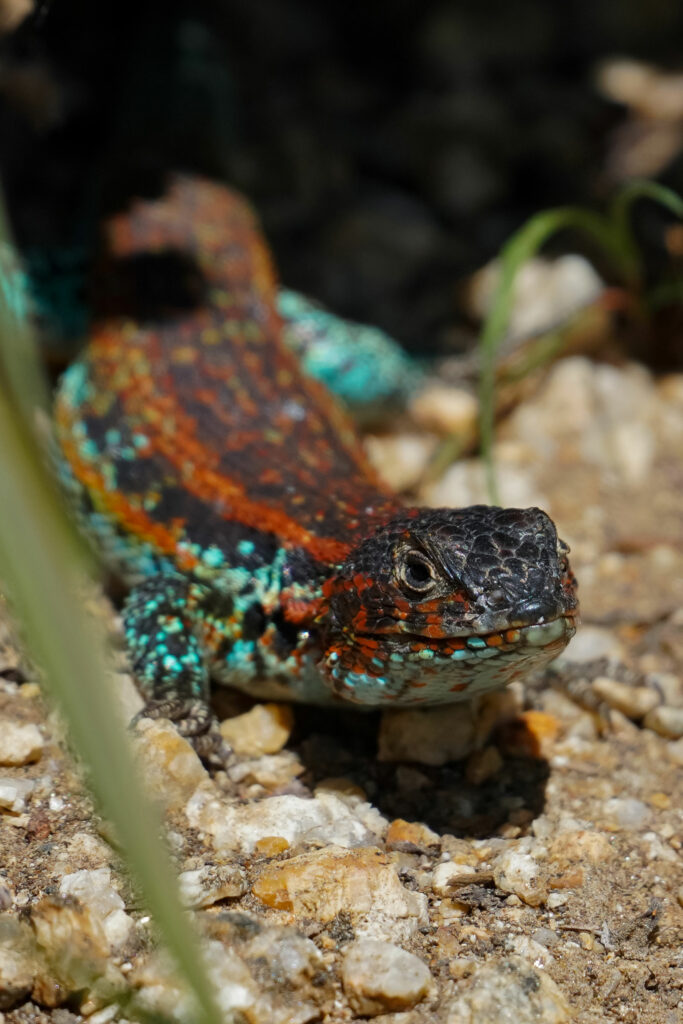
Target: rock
[
  {"x": 359, "y": 882},
  {"x": 271, "y": 771},
  {"x": 508, "y": 990},
  {"x": 632, "y": 701},
  {"x": 545, "y": 292},
  {"x": 400, "y": 459},
  {"x": 167, "y": 763},
  {"x": 411, "y": 837},
  {"x": 581, "y": 846},
  {"x": 675, "y": 751},
  {"x": 160, "y": 994},
  {"x": 263, "y": 730},
  {"x": 432, "y": 736},
  {"x": 669, "y": 687},
  {"x": 592, "y": 643},
  {"x": 626, "y": 812},
  {"x": 666, "y": 721},
  {"x": 95, "y": 891},
  {"x": 75, "y": 946},
  {"x": 19, "y": 963},
  {"x": 450, "y": 876},
  {"x": 378, "y": 977},
  {"x": 204, "y": 886},
  {"x": 521, "y": 873},
  {"x": 14, "y": 793},
  {"x": 19, "y": 744},
  {"x": 297, "y": 820},
  {"x": 445, "y": 410}
]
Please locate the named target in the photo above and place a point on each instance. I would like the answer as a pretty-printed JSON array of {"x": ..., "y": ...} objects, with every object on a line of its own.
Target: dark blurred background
[{"x": 390, "y": 148}]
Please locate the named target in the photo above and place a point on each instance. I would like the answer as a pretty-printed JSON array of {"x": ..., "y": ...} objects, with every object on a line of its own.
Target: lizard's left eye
[{"x": 416, "y": 572}]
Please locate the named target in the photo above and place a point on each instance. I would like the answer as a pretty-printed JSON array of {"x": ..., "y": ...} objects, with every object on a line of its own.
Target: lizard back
[{"x": 190, "y": 424}]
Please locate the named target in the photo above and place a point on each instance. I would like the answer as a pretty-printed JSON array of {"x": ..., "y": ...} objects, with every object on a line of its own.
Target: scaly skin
[{"x": 232, "y": 494}]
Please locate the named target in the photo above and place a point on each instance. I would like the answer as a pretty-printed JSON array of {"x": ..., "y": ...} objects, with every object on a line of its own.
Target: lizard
[{"x": 231, "y": 493}]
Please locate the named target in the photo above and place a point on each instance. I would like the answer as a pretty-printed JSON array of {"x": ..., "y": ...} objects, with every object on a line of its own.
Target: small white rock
[
  {"x": 238, "y": 827},
  {"x": 379, "y": 977},
  {"x": 95, "y": 891},
  {"x": 14, "y": 793},
  {"x": 202, "y": 887},
  {"x": 19, "y": 744},
  {"x": 520, "y": 873}
]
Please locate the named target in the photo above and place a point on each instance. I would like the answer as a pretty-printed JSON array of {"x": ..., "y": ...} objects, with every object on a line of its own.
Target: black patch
[
  {"x": 219, "y": 605},
  {"x": 153, "y": 286},
  {"x": 286, "y": 636},
  {"x": 253, "y": 622}
]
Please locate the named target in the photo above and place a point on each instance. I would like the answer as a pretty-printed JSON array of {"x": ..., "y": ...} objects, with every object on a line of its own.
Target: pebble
[
  {"x": 592, "y": 643},
  {"x": 167, "y": 762},
  {"x": 520, "y": 873},
  {"x": 632, "y": 701},
  {"x": 545, "y": 292},
  {"x": 95, "y": 891},
  {"x": 411, "y": 837},
  {"x": 204, "y": 886},
  {"x": 159, "y": 993},
  {"x": 400, "y": 459},
  {"x": 450, "y": 875},
  {"x": 666, "y": 721},
  {"x": 263, "y": 730},
  {"x": 19, "y": 744},
  {"x": 675, "y": 751},
  {"x": 670, "y": 687},
  {"x": 509, "y": 990},
  {"x": 79, "y": 952},
  {"x": 379, "y": 977},
  {"x": 324, "y": 883},
  {"x": 14, "y": 793},
  {"x": 271, "y": 771},
  {"x": 432, "y": 736},
  {"x": 445, "y": 410},
  {"x": 19, "y": 962}
]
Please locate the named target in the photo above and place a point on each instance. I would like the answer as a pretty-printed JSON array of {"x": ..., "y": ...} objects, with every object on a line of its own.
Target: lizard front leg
[{"x": 168, "y": 662}]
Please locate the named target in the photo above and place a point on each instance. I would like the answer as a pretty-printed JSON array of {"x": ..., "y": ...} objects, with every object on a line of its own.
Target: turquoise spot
[
  {"x": 213, "y": 557},
  {"x": 475, "y": 641},
  {"x": 460, "y": 655},
  {"x": 112, "y": 436},
  {"x": 426, "y": 653},
  {"x": 246, "y": 547}
]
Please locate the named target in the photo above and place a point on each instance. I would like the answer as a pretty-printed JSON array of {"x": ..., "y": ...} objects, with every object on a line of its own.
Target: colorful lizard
[{"x": 230, "y": 491}]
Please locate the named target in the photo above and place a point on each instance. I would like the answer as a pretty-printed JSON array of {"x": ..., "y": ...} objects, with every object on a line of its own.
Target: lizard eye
[{"x": 416, "y": 572}]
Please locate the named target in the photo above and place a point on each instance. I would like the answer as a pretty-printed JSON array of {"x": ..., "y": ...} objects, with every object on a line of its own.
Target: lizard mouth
[{"x": 543, "y": 635}]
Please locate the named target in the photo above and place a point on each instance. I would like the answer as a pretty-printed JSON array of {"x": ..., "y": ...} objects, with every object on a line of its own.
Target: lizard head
[{"x": 441, "y": 604}]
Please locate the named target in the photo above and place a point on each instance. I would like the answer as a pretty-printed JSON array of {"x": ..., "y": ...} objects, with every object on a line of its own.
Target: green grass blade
[
  {"x": 520, "y": 248},
  {"x": 42, "y": 571}
]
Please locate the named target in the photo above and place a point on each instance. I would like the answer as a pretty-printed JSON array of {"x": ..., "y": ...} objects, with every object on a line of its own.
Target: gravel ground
[{"x": 518, "y": 860}]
